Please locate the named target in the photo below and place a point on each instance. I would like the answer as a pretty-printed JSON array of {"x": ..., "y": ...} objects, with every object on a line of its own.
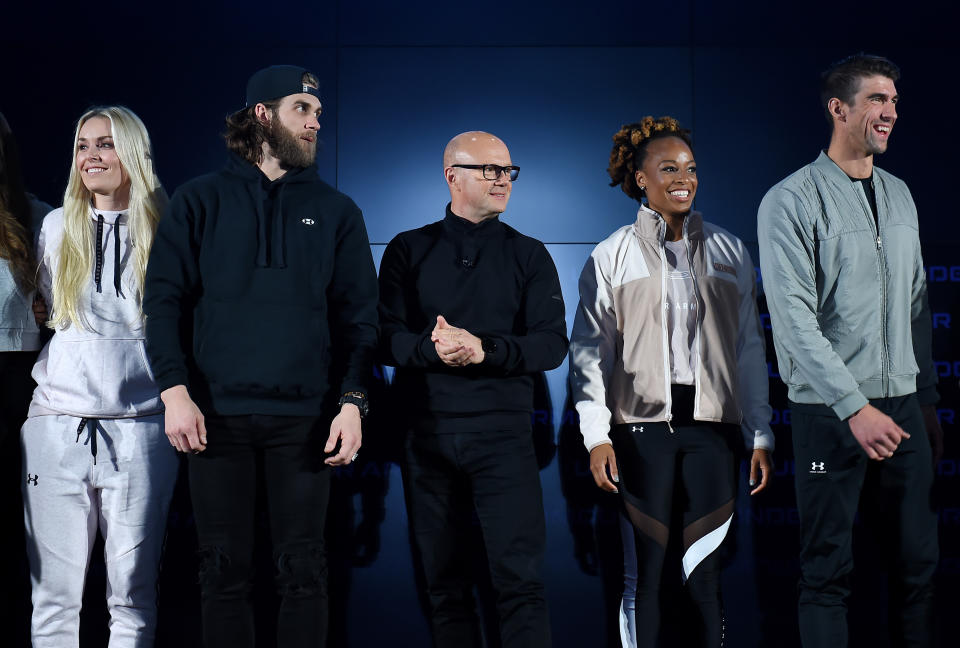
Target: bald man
[{"x": 470, "y": 310}]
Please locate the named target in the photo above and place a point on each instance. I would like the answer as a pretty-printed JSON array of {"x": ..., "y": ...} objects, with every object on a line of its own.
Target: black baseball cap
[{"x": 278, "y": 81}]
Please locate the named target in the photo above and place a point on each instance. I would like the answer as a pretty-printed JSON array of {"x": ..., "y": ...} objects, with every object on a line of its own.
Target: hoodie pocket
[
  {"x": 263, "y": 349},
  {"x": 106, "y": 377}
]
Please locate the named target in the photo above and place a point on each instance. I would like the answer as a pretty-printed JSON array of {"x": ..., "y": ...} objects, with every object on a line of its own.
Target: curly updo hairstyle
[{"x": 630, "y": 150}]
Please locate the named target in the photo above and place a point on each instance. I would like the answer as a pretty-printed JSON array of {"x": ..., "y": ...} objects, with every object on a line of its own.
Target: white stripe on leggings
[{"x": 703, "y": 548}]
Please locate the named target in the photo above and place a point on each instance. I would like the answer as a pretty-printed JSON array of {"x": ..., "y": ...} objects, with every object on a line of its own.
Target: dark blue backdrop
[{"x": 554, "y": 80}]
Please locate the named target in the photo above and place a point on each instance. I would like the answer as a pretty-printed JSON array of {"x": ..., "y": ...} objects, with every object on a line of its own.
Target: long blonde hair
[{"x": 147, "y": 200}]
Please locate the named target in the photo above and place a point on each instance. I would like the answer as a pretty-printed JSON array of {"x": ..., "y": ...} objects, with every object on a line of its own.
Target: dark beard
[{"x": 287, "y": 147}]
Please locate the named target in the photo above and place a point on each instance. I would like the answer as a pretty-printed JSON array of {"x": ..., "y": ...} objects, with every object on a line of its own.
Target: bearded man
[{"x": 261, "y": 302}]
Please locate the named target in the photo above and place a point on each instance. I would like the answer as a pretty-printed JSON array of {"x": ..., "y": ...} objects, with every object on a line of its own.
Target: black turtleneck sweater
[
  {"x": 261, "y": 296},
  {"x": 492, "y": 281}
]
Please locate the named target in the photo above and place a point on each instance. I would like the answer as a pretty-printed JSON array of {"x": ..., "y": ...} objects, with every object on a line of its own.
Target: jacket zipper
[
  {"x": 884, "y": 352},
  {"x": 881, "y": 268},
  {"x": 668, "y": 399},
  {"x": 696, "y": 292}
]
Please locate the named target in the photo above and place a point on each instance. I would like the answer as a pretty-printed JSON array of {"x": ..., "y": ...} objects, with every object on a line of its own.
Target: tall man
[
  {"x": 470, "y": 310},
  {"x": 840, "y": 256},
  {"x": 261, "y": 304}
]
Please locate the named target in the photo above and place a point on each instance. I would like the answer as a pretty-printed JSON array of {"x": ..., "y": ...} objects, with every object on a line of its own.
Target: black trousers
[
  {"x": 16, "y": 389},
  {"x": 833, "y": 473},
  {"x": 447, "y": 477},
  {"x": 223, "y": 491},
  {"x": 688, "y": 470}
]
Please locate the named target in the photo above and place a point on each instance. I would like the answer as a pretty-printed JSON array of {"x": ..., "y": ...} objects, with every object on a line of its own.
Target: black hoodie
[{"x": 261, "y": 295}]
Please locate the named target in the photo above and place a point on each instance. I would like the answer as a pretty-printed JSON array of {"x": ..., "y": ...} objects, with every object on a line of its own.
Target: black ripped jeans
[{"x": 223, "y": 491}]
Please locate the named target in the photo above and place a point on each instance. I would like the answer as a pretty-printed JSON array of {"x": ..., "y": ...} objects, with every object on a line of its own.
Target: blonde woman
[{"x": 95, "y": 455}]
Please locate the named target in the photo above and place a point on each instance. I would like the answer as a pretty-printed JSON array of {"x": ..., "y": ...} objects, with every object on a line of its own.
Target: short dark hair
[{"x": 842, "y": 78}]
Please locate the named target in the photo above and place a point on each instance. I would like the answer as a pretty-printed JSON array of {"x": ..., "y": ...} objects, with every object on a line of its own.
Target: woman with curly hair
[
  {"x": 668, "y": 373},
  {"x": 95, "y": 453}
]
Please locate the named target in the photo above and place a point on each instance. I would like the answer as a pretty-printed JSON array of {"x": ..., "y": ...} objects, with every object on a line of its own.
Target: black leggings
[
  {"x": 689, "y": 467},
  {"x": 16, "y": 388}
]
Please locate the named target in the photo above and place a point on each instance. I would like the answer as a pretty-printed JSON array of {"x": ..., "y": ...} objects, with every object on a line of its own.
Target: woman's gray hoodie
[{"x": 99, "y": 370}]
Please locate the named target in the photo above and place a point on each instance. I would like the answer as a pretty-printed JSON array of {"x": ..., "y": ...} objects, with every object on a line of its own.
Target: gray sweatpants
[{"x": 68, "y": 493}]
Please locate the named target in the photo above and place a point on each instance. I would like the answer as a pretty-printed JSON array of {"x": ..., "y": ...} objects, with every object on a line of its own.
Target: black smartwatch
[{"x": 356, "y": 398}]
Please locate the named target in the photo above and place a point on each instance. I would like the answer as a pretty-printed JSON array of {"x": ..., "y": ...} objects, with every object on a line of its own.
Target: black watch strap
[
  {"x": 489, "y": 346},
  {"x": 356, "y": 398}
]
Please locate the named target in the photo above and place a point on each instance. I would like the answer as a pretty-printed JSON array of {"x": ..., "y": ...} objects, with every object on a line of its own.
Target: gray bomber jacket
[{"x": 848, "y": 303}]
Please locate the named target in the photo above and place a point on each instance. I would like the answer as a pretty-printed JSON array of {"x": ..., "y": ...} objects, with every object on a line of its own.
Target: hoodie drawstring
[
  {"x": 278, "y": 251},
  {"x": 100, "y": 247},
  {"x": 271, "y": 252},
  {"x": 261, "y": 227},
  {"x": 93, "y": 436},
  {"x": 116, "y": 258},
  {"x": 98, "y": 271}
]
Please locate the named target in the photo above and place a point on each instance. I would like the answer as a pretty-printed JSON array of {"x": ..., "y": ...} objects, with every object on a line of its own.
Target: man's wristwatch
[
  {"x": 356, "y": 398},
  {"x": 488, "y": 345}
]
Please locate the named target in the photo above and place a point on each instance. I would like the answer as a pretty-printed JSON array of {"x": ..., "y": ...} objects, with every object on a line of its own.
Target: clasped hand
[{"x": 456, "y": 347}]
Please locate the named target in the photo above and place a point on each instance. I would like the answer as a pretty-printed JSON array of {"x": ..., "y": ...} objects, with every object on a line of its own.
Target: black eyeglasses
[{"x": 492, "y": 171}]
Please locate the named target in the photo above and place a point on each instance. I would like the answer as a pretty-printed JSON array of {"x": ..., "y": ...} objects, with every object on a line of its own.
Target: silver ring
[{"x": 354, "y": 457}]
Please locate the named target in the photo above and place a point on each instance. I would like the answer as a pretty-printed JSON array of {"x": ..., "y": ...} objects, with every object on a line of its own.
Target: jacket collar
[
  {"x": 459, "y": 225},
  {"x": 831, "y": 171},
  {"x": 650, "y": 225}
]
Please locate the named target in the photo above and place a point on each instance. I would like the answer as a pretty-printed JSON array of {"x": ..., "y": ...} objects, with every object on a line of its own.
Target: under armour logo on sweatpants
[
  {"x": 817, "y": 468},
  {"x": 32, "y": 478}
]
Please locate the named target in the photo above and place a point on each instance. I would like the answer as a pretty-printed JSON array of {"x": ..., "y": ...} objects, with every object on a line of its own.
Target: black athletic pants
[
  {"x": 223, "y": 491},
  {"x": 16, "y": 389},
  {"x": 831, "y": 472},
  {"x": 689, "y": 466},
  {"x": 449, "y": 475}
]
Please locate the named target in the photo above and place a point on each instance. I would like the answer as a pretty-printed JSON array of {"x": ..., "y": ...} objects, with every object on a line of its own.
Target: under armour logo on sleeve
[{"x": 32, "y": 479}]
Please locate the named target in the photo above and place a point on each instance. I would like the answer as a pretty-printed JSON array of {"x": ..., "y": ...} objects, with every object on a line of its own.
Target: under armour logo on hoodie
[
  {"x": 817, "y": 468},
  {"x": 32, "y": 478}
]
